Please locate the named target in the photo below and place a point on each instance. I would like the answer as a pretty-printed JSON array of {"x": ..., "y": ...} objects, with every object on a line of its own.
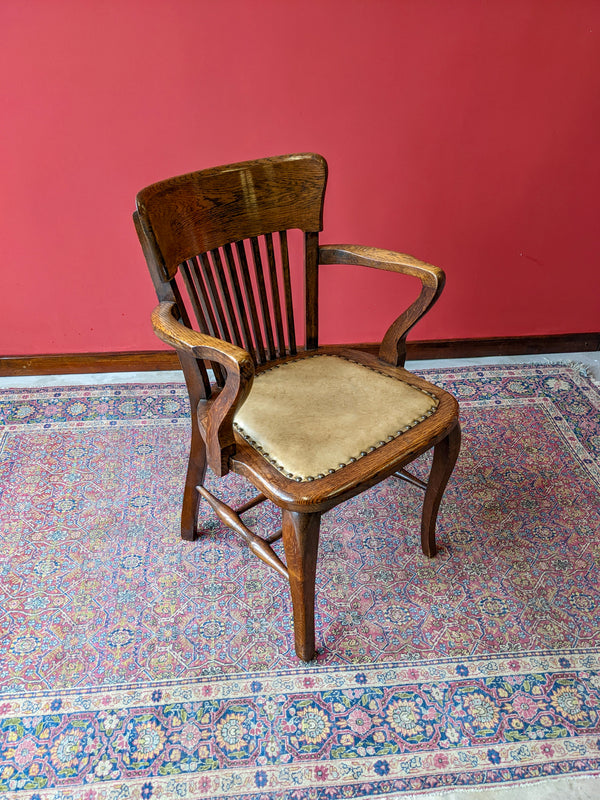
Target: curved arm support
[
  {"x": 215, "y": 415},
  {"x": 393, "y": 346}
]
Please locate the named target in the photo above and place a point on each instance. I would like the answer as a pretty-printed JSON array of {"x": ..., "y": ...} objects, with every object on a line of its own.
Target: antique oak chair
[{"x": 309, "y": 426}]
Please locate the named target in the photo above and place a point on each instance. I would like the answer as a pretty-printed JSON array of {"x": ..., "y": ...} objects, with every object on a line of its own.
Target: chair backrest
[{"x": 208, "y": 239}]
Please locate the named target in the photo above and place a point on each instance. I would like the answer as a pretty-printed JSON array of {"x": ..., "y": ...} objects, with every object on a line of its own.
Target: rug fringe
[
  {"x": 583, "y": 369},
  {"x": 515, "y": 791}
]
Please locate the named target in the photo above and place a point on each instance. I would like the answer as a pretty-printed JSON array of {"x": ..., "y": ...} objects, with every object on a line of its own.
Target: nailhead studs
[{"x": 388, "y": 438}]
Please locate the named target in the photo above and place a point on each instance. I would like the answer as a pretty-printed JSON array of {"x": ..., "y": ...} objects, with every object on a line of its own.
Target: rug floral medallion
[{"x": 136, "y": 665}]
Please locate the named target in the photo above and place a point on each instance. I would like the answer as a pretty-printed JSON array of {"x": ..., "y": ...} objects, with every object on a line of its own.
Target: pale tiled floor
[
  {"x": 582, "y": 788},
  {"x": 567, "y": 788}
]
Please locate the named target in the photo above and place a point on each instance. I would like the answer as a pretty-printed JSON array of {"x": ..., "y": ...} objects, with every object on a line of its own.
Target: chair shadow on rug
[{"x": 308, "y": 426}]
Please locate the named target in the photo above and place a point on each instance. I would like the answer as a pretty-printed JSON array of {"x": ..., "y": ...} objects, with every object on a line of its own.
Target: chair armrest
[
  {"x": 393, "y": 345},
  {"x": 199, "y": 345},
  {"x": 215, "y": 415}
]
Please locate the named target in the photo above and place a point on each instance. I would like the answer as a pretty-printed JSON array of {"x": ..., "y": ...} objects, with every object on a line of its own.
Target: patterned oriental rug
[{"x": 136, "y": 665}]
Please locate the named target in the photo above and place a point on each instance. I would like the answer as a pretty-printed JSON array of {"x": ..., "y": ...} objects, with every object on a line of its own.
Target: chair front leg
[
  {"x": 197, "y": 457},
  {"x": 445, "y": 454},
  {"x": 195, "y": 477},
  {"x": 301, "y": 544}
]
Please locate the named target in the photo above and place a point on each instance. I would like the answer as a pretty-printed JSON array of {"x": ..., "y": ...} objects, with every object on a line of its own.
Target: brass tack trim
[{"x": 353, "y": 459}]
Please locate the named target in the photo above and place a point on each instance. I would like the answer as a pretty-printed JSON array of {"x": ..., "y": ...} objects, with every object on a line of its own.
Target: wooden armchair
[{"x": 309, "y": 426}]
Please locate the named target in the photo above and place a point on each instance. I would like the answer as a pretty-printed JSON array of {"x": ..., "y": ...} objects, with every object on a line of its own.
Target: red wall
[{"x": 463, "y": 132}]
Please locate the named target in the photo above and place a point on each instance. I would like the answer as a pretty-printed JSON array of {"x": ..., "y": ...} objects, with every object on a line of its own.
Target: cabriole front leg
[
  {"x": 197, "y": 457},
  {"x": 301, "y": 544},
  {"x": 195, "y": 477},
  {"x": 445, "y": 454}
]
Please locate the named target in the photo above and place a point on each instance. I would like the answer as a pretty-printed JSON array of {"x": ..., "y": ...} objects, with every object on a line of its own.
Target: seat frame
[{"x": 181, "y": 220}]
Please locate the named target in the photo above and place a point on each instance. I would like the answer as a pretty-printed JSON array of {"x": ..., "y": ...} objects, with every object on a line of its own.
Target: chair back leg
[
  {"x": 301, "y": 544},
  {"x": 445, "y": 454}
]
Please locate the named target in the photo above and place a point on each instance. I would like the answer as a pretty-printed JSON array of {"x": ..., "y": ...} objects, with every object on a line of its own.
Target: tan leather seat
[{"x": 312, "y": 416}]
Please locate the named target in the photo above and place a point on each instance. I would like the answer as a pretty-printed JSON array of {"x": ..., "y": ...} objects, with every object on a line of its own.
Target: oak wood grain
[
  {"x": 215, "y": 414},
  {"x": 301, "y": 544},
  {"x": 204, "y": 210},
  {"x": 213, "y": 231},
  {"x": 257, "y": 545},
  {"x": 393, "y": 346}
]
